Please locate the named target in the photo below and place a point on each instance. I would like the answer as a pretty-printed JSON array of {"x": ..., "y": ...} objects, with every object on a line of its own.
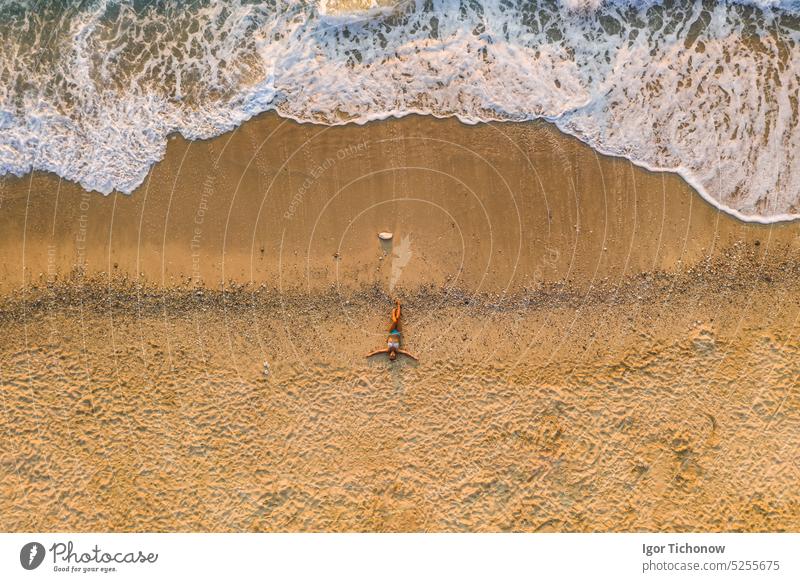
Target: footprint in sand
[{"x": 703, "y": 339}]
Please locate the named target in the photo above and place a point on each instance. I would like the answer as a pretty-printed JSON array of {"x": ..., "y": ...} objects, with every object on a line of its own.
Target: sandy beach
[{"x": 599, "y": 349}]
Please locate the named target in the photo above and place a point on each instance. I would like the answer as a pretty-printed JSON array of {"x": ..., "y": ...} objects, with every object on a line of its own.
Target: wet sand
[{"x": 600, "y": 350}]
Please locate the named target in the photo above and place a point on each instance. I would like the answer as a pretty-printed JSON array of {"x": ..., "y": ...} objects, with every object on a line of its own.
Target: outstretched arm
[
  {"x": 405, "y": 353},
  {"x": 376, "y": 352}
]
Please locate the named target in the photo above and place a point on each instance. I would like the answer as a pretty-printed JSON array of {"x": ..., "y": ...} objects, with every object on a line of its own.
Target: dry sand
[{"x": 600, "y": 350}]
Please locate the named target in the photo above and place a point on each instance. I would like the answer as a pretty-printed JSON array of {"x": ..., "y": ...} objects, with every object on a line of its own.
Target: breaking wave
[{"x": 90, "y": 91}]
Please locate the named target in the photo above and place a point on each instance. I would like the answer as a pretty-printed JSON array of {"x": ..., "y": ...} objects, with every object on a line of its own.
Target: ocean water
[{"x": 90, "y": 90}]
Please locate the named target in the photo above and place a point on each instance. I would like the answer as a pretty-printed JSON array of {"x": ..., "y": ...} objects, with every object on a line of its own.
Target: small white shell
[{"x": 385, "y": 235}]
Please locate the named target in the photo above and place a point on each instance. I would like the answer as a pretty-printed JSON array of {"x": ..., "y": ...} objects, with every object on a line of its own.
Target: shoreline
[
  {"x": 549, "y": 207},
  {"x": 778, "y": 219},
  {"x": 550, "y": 121},
  {"x": 685, "y": 175}
]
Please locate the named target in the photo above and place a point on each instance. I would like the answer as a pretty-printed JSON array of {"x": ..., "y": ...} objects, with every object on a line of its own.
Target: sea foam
[{"x": 708, "y": 90}]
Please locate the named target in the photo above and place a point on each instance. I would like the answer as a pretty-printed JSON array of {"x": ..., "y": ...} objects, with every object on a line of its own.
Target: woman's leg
[{"x": 395, "y": 317}]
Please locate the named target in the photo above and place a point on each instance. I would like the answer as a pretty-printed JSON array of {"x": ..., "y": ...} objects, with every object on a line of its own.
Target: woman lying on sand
[{"x": 394, "y": 338}]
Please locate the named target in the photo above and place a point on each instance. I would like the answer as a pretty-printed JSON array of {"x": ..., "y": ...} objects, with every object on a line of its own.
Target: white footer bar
[{"x": 387, "y": 557}]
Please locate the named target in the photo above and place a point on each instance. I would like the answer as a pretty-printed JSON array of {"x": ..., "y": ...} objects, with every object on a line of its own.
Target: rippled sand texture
[
  {"x": 165, "y": 421},
  {"x": 599, "y": 349}
]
